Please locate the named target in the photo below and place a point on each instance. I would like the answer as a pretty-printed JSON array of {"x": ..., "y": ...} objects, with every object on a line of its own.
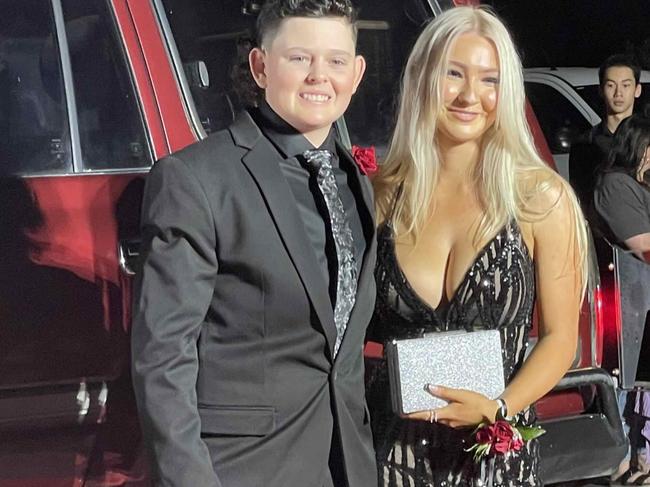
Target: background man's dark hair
[
  {"x": 615, "y": 60},
  {"x": 275, "y": 11}
]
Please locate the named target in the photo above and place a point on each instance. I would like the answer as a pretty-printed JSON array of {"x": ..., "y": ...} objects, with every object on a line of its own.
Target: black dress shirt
[
  {"x": 291, "y": 144},
  {"x": 587, "y": 153}
]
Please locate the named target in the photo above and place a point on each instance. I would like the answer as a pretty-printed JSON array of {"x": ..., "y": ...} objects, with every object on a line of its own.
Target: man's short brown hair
[{"x": 275, "y": 11}]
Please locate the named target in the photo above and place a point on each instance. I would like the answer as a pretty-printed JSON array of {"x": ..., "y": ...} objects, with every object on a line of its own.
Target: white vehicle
[{"x": 567, "y": 102}]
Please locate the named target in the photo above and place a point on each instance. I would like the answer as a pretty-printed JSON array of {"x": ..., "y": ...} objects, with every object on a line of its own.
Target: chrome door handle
[{"x": 128, "y": 252}]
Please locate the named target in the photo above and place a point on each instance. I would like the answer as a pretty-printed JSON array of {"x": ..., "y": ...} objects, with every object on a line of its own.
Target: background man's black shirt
[{"x": 587, "y": 153}]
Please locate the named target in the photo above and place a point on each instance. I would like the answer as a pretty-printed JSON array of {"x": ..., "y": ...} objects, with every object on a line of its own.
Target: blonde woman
[{"x": 474, "y": 229}]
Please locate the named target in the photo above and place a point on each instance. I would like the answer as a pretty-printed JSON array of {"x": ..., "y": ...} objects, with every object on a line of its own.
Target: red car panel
[
  {"x": 177, "y": 128},
  {"x": 140, "y": 71},
  {"x": 64, "y": 331}
]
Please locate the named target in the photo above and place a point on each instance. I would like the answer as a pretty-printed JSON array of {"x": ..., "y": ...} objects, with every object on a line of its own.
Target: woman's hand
[{"x": 465, "y": 408}]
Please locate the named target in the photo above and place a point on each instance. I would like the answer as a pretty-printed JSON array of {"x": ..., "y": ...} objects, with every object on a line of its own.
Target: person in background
[
  {"x": 618, "y": 77},
  {"x": 622, "y": 203},
  {"x": 622, "y": 194},
  {"x": 474, "y": 228}
]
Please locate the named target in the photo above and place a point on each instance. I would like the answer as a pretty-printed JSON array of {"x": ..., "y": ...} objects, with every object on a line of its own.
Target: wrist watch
[{"x": 502, "y": 410}]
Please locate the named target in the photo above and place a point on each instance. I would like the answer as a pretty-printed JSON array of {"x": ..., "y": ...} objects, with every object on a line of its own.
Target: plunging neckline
[
  {"x": 437, "y": 311},
  {"x": 496, "y": 292}
]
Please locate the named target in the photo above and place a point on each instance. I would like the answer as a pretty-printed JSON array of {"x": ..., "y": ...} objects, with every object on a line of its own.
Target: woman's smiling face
[{"x": 469, "y": 90}]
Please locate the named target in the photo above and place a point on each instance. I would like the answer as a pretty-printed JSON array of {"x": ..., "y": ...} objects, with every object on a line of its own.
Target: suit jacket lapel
[{"x": 262, "y": 162}]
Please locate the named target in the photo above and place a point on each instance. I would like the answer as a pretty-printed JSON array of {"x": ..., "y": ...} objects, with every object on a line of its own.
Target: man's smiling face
[{"x": 309, "y": 71}]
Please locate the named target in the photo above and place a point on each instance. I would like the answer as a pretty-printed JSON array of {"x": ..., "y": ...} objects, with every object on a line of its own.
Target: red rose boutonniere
[
  {"x": 366, "y": 159},
  {"x": 501, "y": 438}
]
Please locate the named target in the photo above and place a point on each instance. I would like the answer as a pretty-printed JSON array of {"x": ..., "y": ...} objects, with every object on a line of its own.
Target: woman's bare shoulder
[{"x": 544, "y": 191}]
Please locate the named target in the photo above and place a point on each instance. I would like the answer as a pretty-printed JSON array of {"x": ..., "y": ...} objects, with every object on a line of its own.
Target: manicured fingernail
[{"x": 431, "y": 388}]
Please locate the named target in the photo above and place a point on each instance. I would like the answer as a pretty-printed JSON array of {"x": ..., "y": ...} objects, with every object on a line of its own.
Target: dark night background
[{"x": 577, "y": 32}]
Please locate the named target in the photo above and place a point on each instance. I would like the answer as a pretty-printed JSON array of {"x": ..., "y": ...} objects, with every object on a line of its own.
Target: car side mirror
[
  {"x": 562, "y": 140},
  {"x": 197, "y": 74}
]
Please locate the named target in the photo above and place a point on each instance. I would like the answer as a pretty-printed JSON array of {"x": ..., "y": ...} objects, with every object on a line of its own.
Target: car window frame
[
  {"x": 148, "y": 142},
  {"x": 176, "y": 62},
  {"x": 571, "y": 97},
  {"x": 568, "y": 92},
  {"x": 68, "y": 86},
  {"x": 71, "y": 116}
]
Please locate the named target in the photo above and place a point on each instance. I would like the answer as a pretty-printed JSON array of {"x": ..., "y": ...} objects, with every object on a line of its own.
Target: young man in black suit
[{"x": 257, "y": 278}]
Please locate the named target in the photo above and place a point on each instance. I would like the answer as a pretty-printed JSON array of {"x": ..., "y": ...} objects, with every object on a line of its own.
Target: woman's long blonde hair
[{"x": 511, "y": 171}]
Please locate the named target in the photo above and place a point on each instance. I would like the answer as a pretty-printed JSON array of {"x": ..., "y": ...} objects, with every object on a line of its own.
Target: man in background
[{"x": 618, "y": 77}]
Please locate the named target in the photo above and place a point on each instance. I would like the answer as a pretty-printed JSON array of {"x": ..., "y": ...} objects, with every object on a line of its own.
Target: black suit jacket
[{"x": 233, "y": 327}]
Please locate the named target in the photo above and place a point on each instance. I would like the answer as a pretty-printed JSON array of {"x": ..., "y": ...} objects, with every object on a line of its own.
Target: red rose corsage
[
  {"x": 366, "y": 159},
  {"x": 501, "y": 438}
]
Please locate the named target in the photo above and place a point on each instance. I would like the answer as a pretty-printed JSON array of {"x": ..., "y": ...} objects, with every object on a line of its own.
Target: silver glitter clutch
[{"x": 461, "y": 360}]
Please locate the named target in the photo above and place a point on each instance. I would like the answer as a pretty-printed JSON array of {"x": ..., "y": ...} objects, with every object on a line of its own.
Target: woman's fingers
[
  {"x": 446, "y": 416},
  {"x": 446, "y": 393},
  {"x": 419, "y": 416},
  {"x": 445, "y": 413},
  {"x": 464, "y": 408},
  {"x": 429, "y": 415}
]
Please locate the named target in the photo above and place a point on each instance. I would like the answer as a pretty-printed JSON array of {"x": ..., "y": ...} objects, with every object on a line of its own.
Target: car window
[
  {"x": 214, "y": 38},
  {"x": 559, "y": 119},
  {"x": 110, "y": 123},
  {"x": 33, "y": 117},
  {"x": 591, "y": 94},
  {"x": 387, "y": 31}
]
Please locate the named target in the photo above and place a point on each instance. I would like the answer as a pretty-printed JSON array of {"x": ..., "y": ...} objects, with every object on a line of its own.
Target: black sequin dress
[{"x": 497, "y": 292}]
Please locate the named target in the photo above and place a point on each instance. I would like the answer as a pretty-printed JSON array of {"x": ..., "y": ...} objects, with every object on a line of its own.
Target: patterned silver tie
[{"x": 346, "y": 284}]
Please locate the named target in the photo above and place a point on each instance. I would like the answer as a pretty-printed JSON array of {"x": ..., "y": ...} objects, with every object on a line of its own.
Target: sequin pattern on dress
[{"x": 497, "y": 292}]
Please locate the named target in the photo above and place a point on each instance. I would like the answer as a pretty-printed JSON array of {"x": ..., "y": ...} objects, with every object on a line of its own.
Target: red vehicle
[{"x": 92, "y": 92}]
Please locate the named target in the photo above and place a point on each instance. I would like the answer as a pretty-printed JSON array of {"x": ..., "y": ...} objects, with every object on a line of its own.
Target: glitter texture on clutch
[{"x": 461, "y": 360}]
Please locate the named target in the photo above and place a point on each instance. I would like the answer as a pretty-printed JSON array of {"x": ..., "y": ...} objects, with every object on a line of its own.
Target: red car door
[{"x": 72, "y": 158}]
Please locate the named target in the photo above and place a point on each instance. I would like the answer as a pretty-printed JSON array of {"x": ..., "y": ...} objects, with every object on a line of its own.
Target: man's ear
[
  {"x": 637, "y": 91},
  {"x": 257, "y": 67},
  {"x": 359, "y": 69}
]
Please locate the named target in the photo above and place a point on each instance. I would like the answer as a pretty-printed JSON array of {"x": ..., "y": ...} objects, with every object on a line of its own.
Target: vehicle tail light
[
  {"x": 600, "y": 324},
  {"x": 608, "y": 320},
  {"x": 616, "y": 312}
]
